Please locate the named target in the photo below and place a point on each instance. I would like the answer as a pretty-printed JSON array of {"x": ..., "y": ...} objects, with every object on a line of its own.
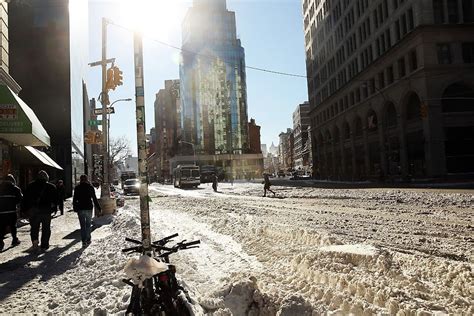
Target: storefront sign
[{"x": 12, "y": 120}]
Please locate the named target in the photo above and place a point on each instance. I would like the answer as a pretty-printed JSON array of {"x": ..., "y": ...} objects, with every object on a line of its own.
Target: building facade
[
  {"x": 301, "y": 122},
  {"x": 213, "y": 81},
  {"x": 255, "y": 146},
  {"x": 52, "y": 37},
  {"x": 284, "y": 151},
  {"x": 168, "y": 126},
  {"x": 390, "y": 87}
]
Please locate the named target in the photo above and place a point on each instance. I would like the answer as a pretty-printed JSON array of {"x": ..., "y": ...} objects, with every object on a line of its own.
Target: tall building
[
  {"x": 254, "y": 138},
  {"x": 20, "y": 128},
  {"x": 49, "y": 49},
  {"x": 213, "y": 81},
  {"x": 284, "y": 150},
  {"x": 390, "y": 86},
  {"x": 300, "y": 130},
  {"x": 167, "y": 124}
]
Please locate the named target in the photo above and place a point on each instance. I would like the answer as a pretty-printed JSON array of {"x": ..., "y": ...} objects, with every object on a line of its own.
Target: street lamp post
[
  {"x": 108, "y": 131},
  {"x": 194, "y": 150}
]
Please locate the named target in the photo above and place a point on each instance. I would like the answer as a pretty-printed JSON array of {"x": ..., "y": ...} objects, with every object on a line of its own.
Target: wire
[{"x": 216, "y": 57}]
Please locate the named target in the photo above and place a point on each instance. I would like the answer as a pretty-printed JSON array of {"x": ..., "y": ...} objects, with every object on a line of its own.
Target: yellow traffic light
[
  {"x": 110, "y": 82},
  {"x": 118, "y": 76}
]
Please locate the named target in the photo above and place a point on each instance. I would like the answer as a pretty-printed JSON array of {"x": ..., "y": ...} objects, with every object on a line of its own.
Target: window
[
  {"x": 381, "y": 80},
  {"x": 438, "y": 11},
  {"x": 411, "y": 21},
  {"x": 468, "y": 11},
  {"x": 444, "y": 54},
  {"x": 390, "y": 75},
  {"x": 372, "y": 86},
  {"x": 468, "y": 52},
  {"x": 453, "y": 16},
  {"x": 401, "y": 68},
  {"x": 413, "y": 60}
]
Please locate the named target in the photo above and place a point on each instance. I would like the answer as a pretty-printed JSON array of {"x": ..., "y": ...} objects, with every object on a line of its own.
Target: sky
[{"x": 271, "y": 31}]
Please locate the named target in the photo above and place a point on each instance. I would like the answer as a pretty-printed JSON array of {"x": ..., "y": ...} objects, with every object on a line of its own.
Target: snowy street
[{"x": 307, "y": 251}]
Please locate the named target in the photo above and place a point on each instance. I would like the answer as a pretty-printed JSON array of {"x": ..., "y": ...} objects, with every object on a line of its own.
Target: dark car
[
  {"x": 281, "y": 173},
  {"x": 131, "y": 186}
]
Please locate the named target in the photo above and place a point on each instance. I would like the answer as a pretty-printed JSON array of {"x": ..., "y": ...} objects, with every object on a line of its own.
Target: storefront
[{"x": 20, "y": 132}]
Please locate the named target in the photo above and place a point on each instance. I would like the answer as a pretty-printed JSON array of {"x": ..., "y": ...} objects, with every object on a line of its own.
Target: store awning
[
  {"x": 43, "y": 157},
  {"x": 18, "y": 122}
]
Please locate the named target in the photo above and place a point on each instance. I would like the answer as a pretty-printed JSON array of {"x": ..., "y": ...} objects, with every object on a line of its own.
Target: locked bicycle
[{"x": 155, "y": 288}]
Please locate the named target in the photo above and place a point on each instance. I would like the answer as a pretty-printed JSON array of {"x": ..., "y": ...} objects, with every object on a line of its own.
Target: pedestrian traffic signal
[
  {"x": 110, "y": 82},
  {"x": 118, "y": 76}
]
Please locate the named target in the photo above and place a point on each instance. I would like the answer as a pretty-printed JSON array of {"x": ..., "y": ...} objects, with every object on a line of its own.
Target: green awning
[{"x": 18, "y": 122}]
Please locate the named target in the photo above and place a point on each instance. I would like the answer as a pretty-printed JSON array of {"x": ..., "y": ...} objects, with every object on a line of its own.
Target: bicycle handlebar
[{"x": 159, "y": 245}]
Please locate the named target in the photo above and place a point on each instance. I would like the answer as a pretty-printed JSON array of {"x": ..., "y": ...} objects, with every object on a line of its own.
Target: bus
[{"x": 186, "y": 176}]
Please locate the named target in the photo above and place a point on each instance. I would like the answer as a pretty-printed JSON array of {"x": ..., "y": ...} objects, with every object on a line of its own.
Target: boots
[{"x": 35, "y": 246}]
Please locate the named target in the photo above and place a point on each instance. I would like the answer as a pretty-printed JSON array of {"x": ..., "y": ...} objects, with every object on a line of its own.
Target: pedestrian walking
[
  {"x": 83, "y": 201},
  {"x": 10, "y": 197},
  {"x": 215, "y": 180},
  {"x": 61, "y": 196},
  {"x": 40, "y": 202},
  {"x": 266, "y": 185}
]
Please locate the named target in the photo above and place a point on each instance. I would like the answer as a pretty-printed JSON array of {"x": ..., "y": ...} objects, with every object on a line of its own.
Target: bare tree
[{"x": 119, "y": 150}]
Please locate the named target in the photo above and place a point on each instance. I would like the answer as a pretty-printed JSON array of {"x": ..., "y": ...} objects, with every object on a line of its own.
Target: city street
[{"x": 304, "y": 252}]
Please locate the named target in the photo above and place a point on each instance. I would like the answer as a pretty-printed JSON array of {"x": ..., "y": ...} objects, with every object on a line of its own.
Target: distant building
[
  {"x": 167, "y": 124},
  {"x": 254, "y": 137},
  {"x": 301, "y": 122},
  {"x": 284, "y": 150},
  {"x": 390, "y": 85},
  {"x": 214, "y": 98},
  {"x": 273, "y": 150},
  {"x": 263, "y": 148}
]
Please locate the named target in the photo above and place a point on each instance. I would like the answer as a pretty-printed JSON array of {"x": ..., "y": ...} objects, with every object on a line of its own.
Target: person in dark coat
[
  {"x": 83, "y": 201},
  {"x": 61, "y": 196},
  {"x": 266, "y": 185},
  {"x": 40, "y": 202},
  {"x": 10, "y": 196},
  {"x": 215, "y": 180}
]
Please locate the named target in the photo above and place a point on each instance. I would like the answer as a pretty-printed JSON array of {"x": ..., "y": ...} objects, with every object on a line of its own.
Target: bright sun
[{"x": 159, "y": 19}]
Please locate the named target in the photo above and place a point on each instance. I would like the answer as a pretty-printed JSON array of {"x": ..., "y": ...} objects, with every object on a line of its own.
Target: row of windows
[
  {"x": 371, "y": 86},
  {"x": 445, "y": 55},
  {"x": 452, "y": 14},
  {"x": 382, "y": 43}
]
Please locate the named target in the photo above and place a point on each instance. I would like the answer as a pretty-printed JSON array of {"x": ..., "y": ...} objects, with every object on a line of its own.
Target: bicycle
[{"x": 156, "y": 291}]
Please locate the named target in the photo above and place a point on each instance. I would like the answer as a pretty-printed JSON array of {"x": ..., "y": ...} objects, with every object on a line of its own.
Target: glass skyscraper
[{"x": 213, "y": 82}]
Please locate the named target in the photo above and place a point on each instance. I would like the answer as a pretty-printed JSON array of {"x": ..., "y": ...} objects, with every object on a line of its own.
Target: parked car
[
  {"x": 281, "y": 173},
  {"x": 131, "y": 186}
]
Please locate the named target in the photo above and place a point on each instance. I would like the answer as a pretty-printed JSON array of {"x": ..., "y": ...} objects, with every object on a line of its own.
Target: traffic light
[
  {"x": 110, "y": 82},
  {"x": 118, "y": 76}
]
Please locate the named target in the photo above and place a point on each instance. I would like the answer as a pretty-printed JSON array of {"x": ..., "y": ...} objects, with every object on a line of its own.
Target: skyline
[{"x": 255, "y": 30}]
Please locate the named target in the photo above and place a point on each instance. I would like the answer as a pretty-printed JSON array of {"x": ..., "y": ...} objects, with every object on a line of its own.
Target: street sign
[
  {"x": 94, "y": 122},
  {"x": 93, "y": 137},
  {"x": 99, "y": 111}
]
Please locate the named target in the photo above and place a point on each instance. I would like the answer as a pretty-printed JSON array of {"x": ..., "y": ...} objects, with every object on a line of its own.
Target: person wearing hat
[
  {"x": 83, "y": 201},
  {"x": 10, "y": 197},
  {"x": 40, "y": 202}
]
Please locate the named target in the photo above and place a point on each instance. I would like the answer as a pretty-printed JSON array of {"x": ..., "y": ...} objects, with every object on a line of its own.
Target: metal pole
[
  {"x": 141, "y": 142},
  {"x": 105, "y": 190}
]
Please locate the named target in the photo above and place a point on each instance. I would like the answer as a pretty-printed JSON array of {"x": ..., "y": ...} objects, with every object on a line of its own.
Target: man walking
[
  {"x": 61, "y": 196},
  {"x": 10, "y": 196},
  {"x": 84, "y": 196},
  {"x": 40, "y": 202},
  {"x": 266, "y": 185}
]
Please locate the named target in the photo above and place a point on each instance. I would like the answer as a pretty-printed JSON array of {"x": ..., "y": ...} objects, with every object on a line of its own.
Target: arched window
[
  {"x": 413, "y": 108},
  {"x": 346, "y": 130},
  {"x": 390, "y": 115},
  {"x": 358, "y": 127},
  {"x": 372, "y": 122},
  {"x": 458, "y": 98}
]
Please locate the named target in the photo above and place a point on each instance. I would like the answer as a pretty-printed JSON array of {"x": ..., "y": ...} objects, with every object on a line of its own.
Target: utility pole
[
  {"x": 141, "y": 142},
  {"x": 107, "y": 204}
]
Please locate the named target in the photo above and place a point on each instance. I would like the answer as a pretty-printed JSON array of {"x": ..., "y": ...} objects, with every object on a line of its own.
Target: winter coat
[
  {"x": 40, "y": 198},
  {"x": 10, "y": 196},
  {"x": 84, "y": 195}
]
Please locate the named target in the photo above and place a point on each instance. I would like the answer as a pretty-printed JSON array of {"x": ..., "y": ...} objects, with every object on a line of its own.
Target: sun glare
[{"x": 159, "y": 19}]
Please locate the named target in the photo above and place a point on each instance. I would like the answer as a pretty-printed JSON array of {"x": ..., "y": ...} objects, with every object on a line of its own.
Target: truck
[{"x": 125, "y": 175}]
